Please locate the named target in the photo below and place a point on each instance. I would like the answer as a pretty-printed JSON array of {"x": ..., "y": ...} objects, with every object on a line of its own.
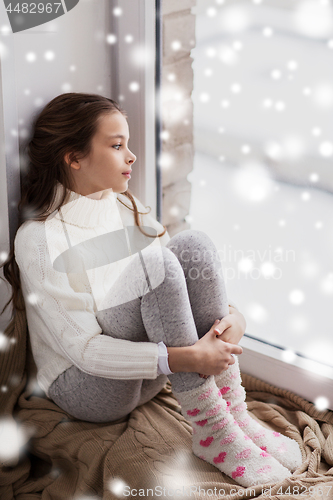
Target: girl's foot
[
  {"x": 218, "y": 439},
  {"x": 284, "y": 449}
]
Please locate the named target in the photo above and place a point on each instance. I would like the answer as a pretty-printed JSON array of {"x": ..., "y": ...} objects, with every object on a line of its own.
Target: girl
[{"x": 107, "y": 325}]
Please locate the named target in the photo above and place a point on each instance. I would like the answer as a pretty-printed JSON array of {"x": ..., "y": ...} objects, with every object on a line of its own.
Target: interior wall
[{"x": 68, "y": 54}]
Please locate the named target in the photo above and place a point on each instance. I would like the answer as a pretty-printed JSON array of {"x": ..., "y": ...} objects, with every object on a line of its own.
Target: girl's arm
[
  {"x": 208, "y": 355},
  {"x": 232, "y": 327},
  {"x": 64, "y": 320}
]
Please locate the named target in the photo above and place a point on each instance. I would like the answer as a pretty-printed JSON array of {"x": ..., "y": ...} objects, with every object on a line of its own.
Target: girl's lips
[{"x": 127, "y": 175}]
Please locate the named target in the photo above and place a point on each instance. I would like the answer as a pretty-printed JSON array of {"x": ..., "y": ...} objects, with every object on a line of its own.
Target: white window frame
[
  {"x": 306, "y": 378},
  {"x": 10, "y": 167},
  {"x": 139, "y": 20}
]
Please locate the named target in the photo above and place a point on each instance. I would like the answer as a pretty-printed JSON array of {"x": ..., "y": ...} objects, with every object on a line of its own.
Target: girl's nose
[{"x": 132, "y": 159}]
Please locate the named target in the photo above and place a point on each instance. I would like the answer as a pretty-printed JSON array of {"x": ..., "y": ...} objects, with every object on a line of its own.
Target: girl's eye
[{"x": 117, "y": 146}]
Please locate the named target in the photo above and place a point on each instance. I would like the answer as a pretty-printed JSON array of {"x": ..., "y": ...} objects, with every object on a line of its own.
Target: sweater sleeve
[{"x": 71, "y": 327}]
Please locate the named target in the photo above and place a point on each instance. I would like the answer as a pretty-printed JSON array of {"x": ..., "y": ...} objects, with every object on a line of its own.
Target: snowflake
[
  {"x": 316, "y": 131},
  {"x": 276, "y": 74},
  {"x": 305, "y": 196},
  {"x": 268, "y": 32},
  {"x": 174, "y": 211},
  {"x": 321, "y": 403},
  {"x": 3, "y": 341},
  {"x": 245, "y": 265},
  {"x": 292, "y": 65},
  {"x": 129, "y": 38},
  {"x": 31, "y": 57},
  {"x": 176, "y": 45},
  {"x": 237, "y": 45},
  {"x": 280, "y": 106},
  {"x": 12, "y": 439},
  {"x": 211, "y": 12},
  {"x": 314, "y": 177},
  {"x": 296, "y": 297},
  {"x": 204, "y": 97},
  {"x": 326, "y": 149},
  {"x": 225, "y": 104},
  {"x": 3, "y": 256},
  {"x": 49, "y": 55},
  {"x": 134, "y": 86},
  {"x": 245, "y": 149},
  {"x": 257, "y": 312},
  {"x": 267, "y": 103},
  {"x": 111, "y": 38},
  {"x": 66, "y": 87},
  {"x": 288, "y": 356},
  {"x": 117, "y": 11},
  {"x": 236, "y": 88}
]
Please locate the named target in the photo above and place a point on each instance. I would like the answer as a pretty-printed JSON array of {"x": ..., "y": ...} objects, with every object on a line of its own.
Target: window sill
[{"x": 305, "y": 377}]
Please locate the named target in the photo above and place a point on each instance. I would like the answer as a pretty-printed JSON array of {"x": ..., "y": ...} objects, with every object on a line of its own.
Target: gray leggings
[{"x": 179, "y": 311}]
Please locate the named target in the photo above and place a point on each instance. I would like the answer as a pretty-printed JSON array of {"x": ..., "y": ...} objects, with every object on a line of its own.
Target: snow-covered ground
[{"x": 275, "y": 239}]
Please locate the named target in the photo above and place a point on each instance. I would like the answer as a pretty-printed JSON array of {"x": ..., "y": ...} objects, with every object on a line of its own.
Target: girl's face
[{"x": 109, "y": 158}]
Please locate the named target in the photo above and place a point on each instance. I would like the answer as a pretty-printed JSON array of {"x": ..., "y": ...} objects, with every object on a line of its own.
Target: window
[{"x": 262, "y": 182}]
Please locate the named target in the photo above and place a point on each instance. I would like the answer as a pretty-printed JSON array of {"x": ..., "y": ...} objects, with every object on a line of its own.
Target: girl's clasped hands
[{"x": 229, "y": 330}]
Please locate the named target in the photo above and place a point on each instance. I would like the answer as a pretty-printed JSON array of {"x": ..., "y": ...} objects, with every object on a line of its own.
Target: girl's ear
[{"x": 71, "y": 161}]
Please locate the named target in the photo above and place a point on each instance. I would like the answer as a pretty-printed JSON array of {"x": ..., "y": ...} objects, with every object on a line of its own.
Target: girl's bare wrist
[{"x": 181, "y": 359}]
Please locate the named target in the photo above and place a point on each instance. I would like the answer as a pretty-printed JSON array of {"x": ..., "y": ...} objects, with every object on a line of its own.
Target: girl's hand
[
  {"x": 232, "y": 327},
  {"x": 211, "y": 356}
]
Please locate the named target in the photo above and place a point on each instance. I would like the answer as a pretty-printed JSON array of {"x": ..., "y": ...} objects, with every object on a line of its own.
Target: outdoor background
[{"x": 262, "y": 181}]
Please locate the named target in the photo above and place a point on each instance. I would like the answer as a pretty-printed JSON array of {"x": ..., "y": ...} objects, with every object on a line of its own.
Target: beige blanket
[{"x": 147, "y": 454}]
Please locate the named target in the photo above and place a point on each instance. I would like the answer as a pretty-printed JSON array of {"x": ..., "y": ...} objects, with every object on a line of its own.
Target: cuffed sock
[
  {"x": 218, "y": 439},
  {"x": 283, "y": 448}
]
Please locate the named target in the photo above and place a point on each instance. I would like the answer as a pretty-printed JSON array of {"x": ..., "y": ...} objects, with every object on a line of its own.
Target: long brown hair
[{"x": 65, "y": 125}]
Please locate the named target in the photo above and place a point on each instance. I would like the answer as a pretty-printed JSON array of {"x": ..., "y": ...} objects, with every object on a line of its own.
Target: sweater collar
[{"x": 86, "y": 211}]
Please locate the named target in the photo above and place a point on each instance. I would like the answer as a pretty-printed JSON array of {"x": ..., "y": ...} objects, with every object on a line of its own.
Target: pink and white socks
[
  {"x": 218, "y": 439},
  {"x": 284, "y": 449}
]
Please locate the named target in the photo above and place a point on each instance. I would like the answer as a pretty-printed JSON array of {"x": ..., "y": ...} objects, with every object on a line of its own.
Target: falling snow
[
  {"x": 321, "y": 403},
  {"x": 31, "y": 57},
  {"x": 296, "y": 297},
  {"x": 4, "y": 342},
  {"x": 111, "y": 38},
  {"x": 176, "y": 45},
  {"x": 267, "y": 32},
  {"x": 134, "y": 86},
  {"x": 12, "y": 438},
  {"x": 267, "y": 105},
  {"x": 117, "y": 486},
  {"x": 257, "y": 312},
  {"x": 326, "y": 149},
  {"x": 117, "y": 11},
  {"x": 49, "y": 55},
  {"x": 288, "y": 356}
]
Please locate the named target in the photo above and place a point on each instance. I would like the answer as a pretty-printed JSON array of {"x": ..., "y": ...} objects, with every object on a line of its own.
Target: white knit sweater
[{"x": 61, "y": 307}]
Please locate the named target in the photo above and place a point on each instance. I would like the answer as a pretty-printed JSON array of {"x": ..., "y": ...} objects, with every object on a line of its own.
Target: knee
[
  {"x": 172, "y": 266},
  {"x": 187, "y": 245},
  {"x": 161, "y": 262}
]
